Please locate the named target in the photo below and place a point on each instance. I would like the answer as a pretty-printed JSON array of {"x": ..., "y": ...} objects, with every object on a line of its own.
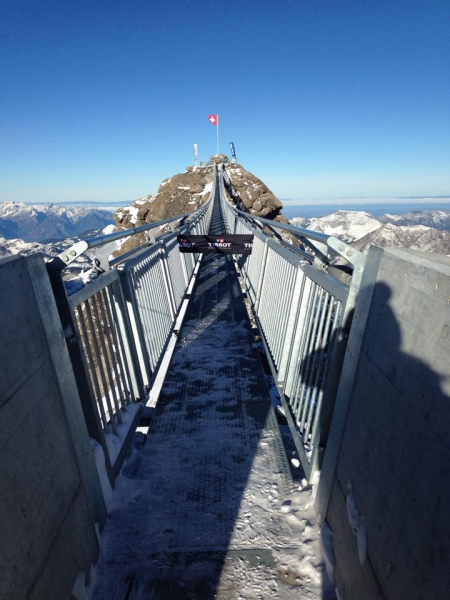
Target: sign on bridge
[{"x": 216, "y": 244}]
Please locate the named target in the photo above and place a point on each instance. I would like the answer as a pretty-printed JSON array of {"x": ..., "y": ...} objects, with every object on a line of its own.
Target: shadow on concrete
[{"x": 394, "y": 454}]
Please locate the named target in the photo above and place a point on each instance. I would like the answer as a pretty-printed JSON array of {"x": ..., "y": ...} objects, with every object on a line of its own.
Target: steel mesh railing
[
  {"x": 124, "y": 319},
  {"x": 118, "y": 326},
  {"x": 100, "y": 316},
  {"x": 302, "y": 313}
]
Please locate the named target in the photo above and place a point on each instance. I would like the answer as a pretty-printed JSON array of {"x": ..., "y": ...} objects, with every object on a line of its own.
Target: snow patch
[
  {"x": 326, "y": 539},
  {"x": 357, "y": 524},
  {"x": 114, "y": 442},
  {"x": 99, "y": 458},
  {"x": 108, "y": 229},
  {"x": 77, "y": 283},
  {"x": 206, "y": 190},
  {"x": 133, "y": 211}
]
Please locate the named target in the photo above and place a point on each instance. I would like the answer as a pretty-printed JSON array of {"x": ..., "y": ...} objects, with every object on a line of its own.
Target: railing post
[
  {"x": 124, "y": 323},
  {"x": 261, "y": 277},
  {"x": 292, "y": 366},
  {"x": 293, "y": 319},
  {"x": 136, "y": 325},
  {"x": 340, "y": 345},
  {"x": 167, "y": 280},
  {"x": 77, "y": 359}
]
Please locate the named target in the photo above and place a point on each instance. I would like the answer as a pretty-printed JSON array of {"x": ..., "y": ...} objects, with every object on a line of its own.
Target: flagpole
[{"x": 217, "y": 134}]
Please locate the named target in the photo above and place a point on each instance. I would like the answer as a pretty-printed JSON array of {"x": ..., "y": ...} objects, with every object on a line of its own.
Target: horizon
[
  {"x": 329, "y": 201},
  {"x": 102, "y": 101}
]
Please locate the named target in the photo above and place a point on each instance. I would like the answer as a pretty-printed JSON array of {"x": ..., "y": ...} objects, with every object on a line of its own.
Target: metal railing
[
  {"x": 303, "y": 303},
  {"x": 118, "y": 326},
  {"x": 154, "y": 281}
]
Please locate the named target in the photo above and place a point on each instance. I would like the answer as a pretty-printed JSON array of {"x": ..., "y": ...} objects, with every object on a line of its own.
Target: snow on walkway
[{"x": 206, "y": 507}]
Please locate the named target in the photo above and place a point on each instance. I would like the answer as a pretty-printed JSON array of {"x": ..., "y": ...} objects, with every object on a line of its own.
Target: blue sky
[{"x": 101, "y": 100}]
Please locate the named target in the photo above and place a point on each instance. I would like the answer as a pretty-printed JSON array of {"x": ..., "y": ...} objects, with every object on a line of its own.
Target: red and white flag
[{"x": 214, "y": 119}]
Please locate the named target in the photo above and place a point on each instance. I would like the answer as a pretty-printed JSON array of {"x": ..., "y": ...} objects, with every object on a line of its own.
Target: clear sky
[{"x": 102, "y": 99}]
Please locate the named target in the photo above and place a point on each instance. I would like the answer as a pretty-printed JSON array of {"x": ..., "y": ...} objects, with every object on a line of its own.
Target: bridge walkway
[{"x": 205, "y": 507}]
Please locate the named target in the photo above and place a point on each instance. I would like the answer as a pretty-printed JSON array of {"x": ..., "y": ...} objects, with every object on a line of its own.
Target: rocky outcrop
[
  {"x": 253, "y": 196},
  {"x": 187, "y": 191},
  {"x": 177, "y": 195}
]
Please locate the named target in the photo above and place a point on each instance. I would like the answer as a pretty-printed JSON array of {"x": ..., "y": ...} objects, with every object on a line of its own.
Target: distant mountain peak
[
  {"x": 40, "y": 222},
  {"x": 428, "y": 231}
]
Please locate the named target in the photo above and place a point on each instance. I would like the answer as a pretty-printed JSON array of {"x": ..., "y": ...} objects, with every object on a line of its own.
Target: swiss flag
[{"x": 214, "y": 119}]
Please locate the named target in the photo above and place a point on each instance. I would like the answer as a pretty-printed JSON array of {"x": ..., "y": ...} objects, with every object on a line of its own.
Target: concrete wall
[
  {"x": 49, "y": 488},
  {"x": 390, "y": 434}
]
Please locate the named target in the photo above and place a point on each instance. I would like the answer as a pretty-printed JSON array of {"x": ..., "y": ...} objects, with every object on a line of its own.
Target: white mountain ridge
[
  {"x": 49, "y": 222},
  {"x": 405, "y": 231}
]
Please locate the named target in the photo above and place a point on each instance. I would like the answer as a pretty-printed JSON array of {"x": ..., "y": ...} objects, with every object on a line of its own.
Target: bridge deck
[{"x": 206, "y": 507}]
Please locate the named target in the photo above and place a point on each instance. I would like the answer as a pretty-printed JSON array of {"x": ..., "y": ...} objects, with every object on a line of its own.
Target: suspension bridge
[{"x": 167, "y": 388}]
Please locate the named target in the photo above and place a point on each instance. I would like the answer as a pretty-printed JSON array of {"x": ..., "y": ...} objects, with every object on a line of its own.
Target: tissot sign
[{"x": 216, "y": 244}]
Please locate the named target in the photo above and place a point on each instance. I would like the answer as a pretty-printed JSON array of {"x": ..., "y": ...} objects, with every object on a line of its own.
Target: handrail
[
  {"x": 313, "y": 235},
  {"x": 303, "y": 312},
  {"x": 79, "y": 248},
  {"x": 118, "y": 235},
  {"x": 117, "y": 329},
  {"x": 348, "y": 252}
]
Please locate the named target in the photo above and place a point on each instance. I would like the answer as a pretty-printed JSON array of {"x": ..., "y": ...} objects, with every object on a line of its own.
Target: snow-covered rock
[
  {"x": 428, "y": 231},
  {"x": 415, "y": 237},
  {"x": 253, "y": 195},
  {"x": 77, "y": 283},
  {"x": 349, "y": 225},
  {"x": 438, "y": 219}
]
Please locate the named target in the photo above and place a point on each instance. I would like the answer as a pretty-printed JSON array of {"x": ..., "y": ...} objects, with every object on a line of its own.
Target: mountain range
[
  {"x": 428, "y": 231},
  {"x": 49, "y": 228},
  {"x": 49, "y": 222}
]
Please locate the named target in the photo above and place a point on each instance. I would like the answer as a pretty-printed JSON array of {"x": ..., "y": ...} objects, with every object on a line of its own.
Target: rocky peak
[
  {"x": 176, "y": 195},
  {"x": 218, "y": 159},
  {"x": 252, "y": 194},
  {"x": 187, "y": 191}
]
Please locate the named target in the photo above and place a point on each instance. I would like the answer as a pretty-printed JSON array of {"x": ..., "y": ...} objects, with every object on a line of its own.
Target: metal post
[{"x": 80, "y": 369}]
